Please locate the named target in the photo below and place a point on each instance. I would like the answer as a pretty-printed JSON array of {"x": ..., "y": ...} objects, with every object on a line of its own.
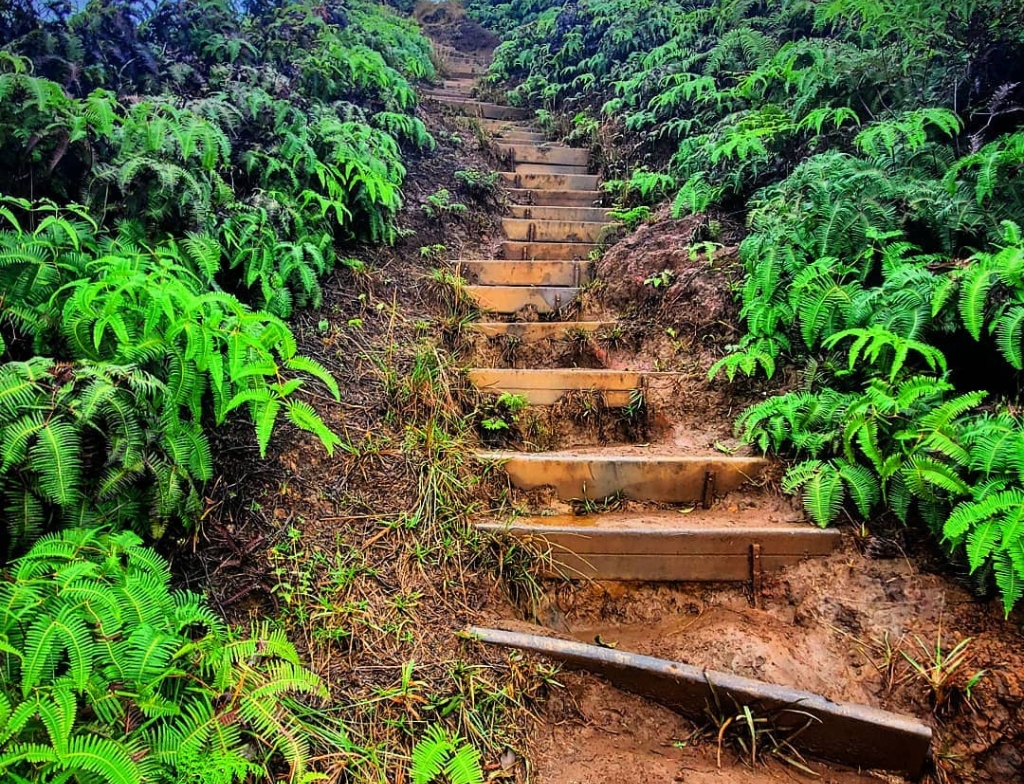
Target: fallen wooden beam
[{"x": 855, "y": 735}]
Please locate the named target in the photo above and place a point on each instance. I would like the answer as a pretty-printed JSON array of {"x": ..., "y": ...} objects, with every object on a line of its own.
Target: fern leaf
[
  {"x": 56, "y": 456},
  {"x": 429, "y": 755}
]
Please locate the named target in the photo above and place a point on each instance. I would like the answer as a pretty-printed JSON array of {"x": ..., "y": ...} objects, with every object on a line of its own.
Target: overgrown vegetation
[
  {"x": 876, "y": 148},
  {"x": 179, "y": 177}
]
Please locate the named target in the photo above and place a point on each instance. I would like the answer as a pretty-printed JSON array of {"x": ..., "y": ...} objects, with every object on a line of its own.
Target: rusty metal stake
[
  {"x": 755, "y": 574},
  {"x": 708, "y": 496}
]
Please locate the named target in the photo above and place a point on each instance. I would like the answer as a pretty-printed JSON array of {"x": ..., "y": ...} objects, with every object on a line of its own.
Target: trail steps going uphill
[{"x": 622, "y": 512}]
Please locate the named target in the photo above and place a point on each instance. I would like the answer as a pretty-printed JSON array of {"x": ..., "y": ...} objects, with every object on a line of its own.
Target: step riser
[
  {"x": 554, "y": 231},
  {"x": 684, "y": 555},
  {"x": 679, "y": 480},
  {"x": 551, "y": 168},
  {"x": 578, "y": 214},
  {"x": 555, "y": 155},
  {"x": 527, "y": 273},
  {"x": 511, "y": 299},
  {"x": 517, "y": 136},
  {"x": 536, "y": 331},
  {"x": 488, "y": 111},
  {"x": 548, "y": 387},
  {"x": 552, "y": 182},
  {"x": 550, "y": 198},
  {"x": 558, "y": 251}
]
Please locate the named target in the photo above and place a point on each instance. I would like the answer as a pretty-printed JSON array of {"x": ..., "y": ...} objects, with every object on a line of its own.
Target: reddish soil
[{"x": 339, "y": 548}]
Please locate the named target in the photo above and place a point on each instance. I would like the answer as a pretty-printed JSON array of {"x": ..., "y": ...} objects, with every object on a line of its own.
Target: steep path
[{"x": 639, "y": 514}]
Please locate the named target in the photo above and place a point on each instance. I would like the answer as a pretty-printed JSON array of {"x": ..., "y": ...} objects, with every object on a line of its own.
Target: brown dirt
[
  {"x": 448, "y": 24},
  {"x": 344, "y": 552},
  {"x": 822, "y": 626}
]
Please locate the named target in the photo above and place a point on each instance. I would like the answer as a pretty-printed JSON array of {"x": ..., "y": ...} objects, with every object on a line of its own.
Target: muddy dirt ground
[{"x": 368, "y": 560}]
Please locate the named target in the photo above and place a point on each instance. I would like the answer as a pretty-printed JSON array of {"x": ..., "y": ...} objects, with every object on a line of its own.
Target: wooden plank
[
  {"x": 855, "y": 735},
  {"x": 554, "y": 182},
  {"x": 555, "y": 378},
  {"x": 555, "y": 198},
  {"x": 678, "y": 539},
  {"x": 585, "y": 214},
  {"x": 651, "y": 477},
  {"x": 535, "y": 230},
  {"x": 551, "y": 153},
  {"x": 511, "y": 299},
  {"x": 558, "y": 251},
  {"x": 532, "y": 331},
  {"x": 517, "y": 272},
  {"x": 490, "y": 111}
]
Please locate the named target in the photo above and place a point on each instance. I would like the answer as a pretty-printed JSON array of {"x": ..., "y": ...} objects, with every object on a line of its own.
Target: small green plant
[
  {"x": 479, "y": 184},
  {"x": 439, "y": 205},
  {"x": 660, "y": 280},
  {"x": 439, "y": 752},
  {"x": 939, "y": 670},
  {"x": 631, "y": 218}
]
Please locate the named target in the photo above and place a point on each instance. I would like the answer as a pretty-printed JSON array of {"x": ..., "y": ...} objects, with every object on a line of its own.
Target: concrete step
[
  {"x": 558, "y": 155},
  {"x": 491, "y": 111},
  {"x": 516, "y": 272},
  {"x": 512, "y": 299},
  {"x": 536, "y": 331},
  {"x": 552, "y": 182},
  {"x": 532, "y": 230},
  {"x": 546, "y": 250},
  {"x": 703, "y": 545},
  {"x": 586, "y": 214},
  {"x": 545, "y": 387},
  {"x": 555, "y": 198},
  {"x": 640, "y": 476}
]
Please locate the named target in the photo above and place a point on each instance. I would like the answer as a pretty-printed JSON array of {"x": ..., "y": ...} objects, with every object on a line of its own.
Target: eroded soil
[{"x": 356, "y": 556}]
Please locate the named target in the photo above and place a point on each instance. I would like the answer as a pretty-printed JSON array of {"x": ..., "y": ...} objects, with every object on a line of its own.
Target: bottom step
[
  {"x": 668, "y": 546},
  {"x": 854, "y": 735}
]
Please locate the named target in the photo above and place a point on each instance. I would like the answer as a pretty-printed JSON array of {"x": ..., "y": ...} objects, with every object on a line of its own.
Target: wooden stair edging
[
  {"x": 548, "y": 153},
  {"x": 512, "y": 299},
  {"x": 550, "y": 251},
  {"x": 560, "y": 231},
  {"x": 549, "y": 213},
  {"x": 532, "y": 331},
  {"x": 856, "y": 735},
  {"x": 531, "y": 272},
  {"x": 554, "y": 182},
  {"x": 685, "y": 552},
  {"x": 555, "y": 198},
  {"x": 680, "y": 479}
]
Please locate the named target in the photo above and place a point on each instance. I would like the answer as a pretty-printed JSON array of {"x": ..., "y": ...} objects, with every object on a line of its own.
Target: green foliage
[
  {"x": 439, "y": 753},
  {"x": 111, "y": 676},
  {"x": 180, "y": 180}
]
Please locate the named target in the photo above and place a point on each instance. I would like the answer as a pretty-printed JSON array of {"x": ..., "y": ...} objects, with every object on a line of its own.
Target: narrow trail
[{"x": 652, "y": 519}]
